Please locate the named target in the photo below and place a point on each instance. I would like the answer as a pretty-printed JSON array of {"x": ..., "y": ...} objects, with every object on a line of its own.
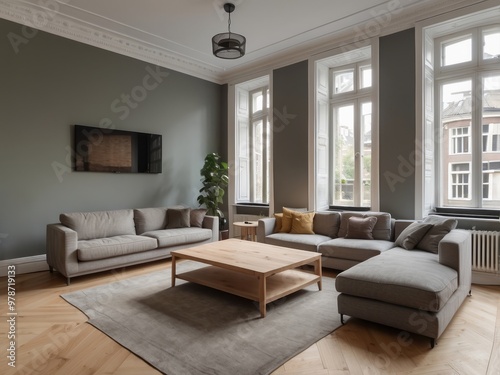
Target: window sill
[{"x": 478, "y": 213}]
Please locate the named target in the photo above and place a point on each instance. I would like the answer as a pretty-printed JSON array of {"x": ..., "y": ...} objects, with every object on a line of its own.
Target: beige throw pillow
[
  {"x": 302, "y": 223},
  {"x": 278, "y": 222}
]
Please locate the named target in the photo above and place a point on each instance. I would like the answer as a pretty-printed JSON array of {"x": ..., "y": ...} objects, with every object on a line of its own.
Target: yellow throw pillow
[
  {"x": 302, "y": 223},
  {"x": 286, "y": 223},
  {"x": 278, "y": 223}
]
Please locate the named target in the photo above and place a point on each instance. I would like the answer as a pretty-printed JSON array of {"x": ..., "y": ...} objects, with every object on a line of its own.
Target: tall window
[
  {"x": 344, "y": 130},
  {"x": 253, "y": 142},
  {"x": 467, "y": 86}
]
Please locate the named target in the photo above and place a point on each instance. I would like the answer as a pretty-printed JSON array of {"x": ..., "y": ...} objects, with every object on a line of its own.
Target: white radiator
[{"x": 485, "y": 251}]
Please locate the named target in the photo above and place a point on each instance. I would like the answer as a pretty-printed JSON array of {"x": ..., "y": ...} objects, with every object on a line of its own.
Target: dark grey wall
[
  {"x": 397, "y": 124},
  {"x": 290, "y": 134},
  {"x": 52, "y": 83}
]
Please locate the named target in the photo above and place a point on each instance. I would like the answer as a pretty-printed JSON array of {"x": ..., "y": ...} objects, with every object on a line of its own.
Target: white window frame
[
  {"x": 322, "y": 179},
  {"x": 427, "y": 173},
  {"x": 245, "y": 163}
]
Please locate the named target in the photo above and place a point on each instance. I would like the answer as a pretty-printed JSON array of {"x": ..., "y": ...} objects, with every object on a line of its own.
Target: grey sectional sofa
[
  {"x": 89, "y": 242},
  {"x": 330, "y": 229},
  {"x": 412, "y": 275}
]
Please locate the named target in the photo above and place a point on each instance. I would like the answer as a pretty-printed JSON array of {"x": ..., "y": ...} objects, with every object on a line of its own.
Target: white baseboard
[
  {"x": 484, "y": 278},
  {"x": 35, "y": 263}
]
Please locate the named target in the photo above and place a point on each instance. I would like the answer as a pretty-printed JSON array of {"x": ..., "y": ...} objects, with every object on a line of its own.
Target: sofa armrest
[
  {"x": 265, "y": 227},
  {"x": 212, "y": 222},
  {"x": 455, "y": 252},
  {"x": 61, "y": 247}
]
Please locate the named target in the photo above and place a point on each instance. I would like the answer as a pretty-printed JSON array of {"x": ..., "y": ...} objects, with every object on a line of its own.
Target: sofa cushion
[
  {"x": 196, "y": 217},
  {"x": 100, "y": 224},
  {"x": 441, "y": 226},
  {"x": 278, "y": 222},
  {"x": 326, "y": 223},
  {"x": 148, "y": 219},
  {"x": 360, "y": 228},
  {"x": 179, "y": 236},
  {"x": 382, "y": 229},
  {"x": 308, "y": 242},
  {"x": 414, "y": 279},
  {"x": 302, "y": 223},
  {"x": 358, "y": 250},
  {"x": 102, "y": 248},
  {"x": 178, "y": 218},
  {"x": 412, "y": 234}
]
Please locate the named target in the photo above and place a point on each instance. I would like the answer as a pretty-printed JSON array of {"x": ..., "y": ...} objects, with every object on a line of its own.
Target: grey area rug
[{"x": 194, "y": 330}]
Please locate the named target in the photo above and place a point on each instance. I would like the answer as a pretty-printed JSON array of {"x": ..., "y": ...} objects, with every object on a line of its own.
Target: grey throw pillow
[
  {"x": 412, "y": 235},
  {"x": 197, "y": 216},
  {"x": 178, "y": 218},
  {"x": 441, "y": 227},
  {"x": 361, "y": 228}
]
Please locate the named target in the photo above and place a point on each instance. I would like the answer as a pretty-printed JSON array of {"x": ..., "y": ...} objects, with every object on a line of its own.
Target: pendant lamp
[{"x": 229, "y": 45}]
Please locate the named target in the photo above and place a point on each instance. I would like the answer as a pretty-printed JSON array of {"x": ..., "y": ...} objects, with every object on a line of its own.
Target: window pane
[
  {"x": 258, "y": 166},
  {"x": 457, "y": 52},
  {"x": 456, "y": 106},
  {"x": 257, "y": 100},
  {"x": 344, "y": 81},
  {"x": 491, "y": 44},
  {"x": 455, "y": 96},
  {"x": 366, "y": 167},
  {"x": 365, "y": 76},
  {"x": 491, "y": 140},
  {"x": 344, "y": 155}
]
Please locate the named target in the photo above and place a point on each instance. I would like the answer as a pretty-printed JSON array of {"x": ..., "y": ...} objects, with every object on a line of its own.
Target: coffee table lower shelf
[{"x": 249, "y": 286}]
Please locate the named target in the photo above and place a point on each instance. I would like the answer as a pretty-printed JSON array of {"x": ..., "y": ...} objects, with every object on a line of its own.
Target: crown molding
[
  {"x": 375, "y": 24},
  {"x": 351, "y": 36},
  {"x": 51, "y": 21}
]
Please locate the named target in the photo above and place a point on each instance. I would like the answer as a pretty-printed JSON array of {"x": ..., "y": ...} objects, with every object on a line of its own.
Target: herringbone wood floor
[{"x": 53, "y": 338}]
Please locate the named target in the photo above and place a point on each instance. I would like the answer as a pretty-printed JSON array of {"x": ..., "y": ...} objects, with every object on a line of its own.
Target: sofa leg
[
  {"x": 433, "y": 343},
  {"x": 51, "y": 269},
  {"x": 68, "y": 281},
  {"x": 470, "y": 293},
  {"x": 342, "y": 318}
]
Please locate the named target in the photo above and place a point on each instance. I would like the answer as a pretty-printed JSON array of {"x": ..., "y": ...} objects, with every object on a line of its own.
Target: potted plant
[{"x": 214, "y": 180}]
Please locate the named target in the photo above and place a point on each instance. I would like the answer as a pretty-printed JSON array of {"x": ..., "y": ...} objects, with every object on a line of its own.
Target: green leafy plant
[{"x": 214, "y": 179}]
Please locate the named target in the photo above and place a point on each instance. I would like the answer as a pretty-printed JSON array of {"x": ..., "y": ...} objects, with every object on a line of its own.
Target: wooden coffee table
[{"x": 252, "y": 270}]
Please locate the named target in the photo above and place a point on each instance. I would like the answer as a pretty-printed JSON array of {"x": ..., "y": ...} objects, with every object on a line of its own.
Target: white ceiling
[{"x": 177, "y": 33}]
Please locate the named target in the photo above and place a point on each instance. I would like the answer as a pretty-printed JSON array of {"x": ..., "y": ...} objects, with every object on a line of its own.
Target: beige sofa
[
  {"x": 413, "y": 275},
  {"x": 89, "y": 242}
]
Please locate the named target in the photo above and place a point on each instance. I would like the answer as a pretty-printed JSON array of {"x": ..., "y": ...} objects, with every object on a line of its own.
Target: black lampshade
[{"x": 229, "y": 45}]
